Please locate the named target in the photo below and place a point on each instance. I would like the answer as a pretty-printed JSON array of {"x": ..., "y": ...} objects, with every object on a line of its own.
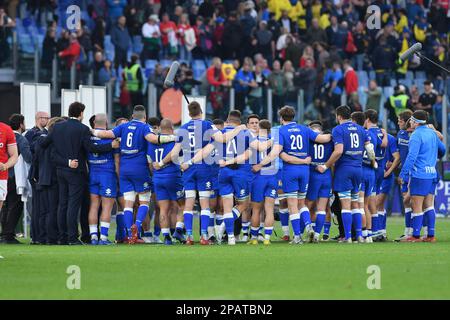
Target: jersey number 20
[{"x": 296, "y": 142}]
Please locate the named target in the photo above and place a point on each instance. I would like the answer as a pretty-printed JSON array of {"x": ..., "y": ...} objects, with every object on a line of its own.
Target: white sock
[{"x": 93, "y": 230}]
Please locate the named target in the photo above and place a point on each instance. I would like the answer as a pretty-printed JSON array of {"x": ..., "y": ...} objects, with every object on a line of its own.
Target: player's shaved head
[
  {"x": 359, "y": 117},
  {"x": 166, "y": 125},
  {"x": 100, "y": 120},
  {"x": 139, "y": 112}
]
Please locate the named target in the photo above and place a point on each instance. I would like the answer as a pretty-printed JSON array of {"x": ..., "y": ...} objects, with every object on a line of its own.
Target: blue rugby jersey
[
  {"x": 353, "y": 137},
  {"x": 158, "y": 152},
  {"x": 295, "y": 140},
  {"x": 403, "y": 145},
  {"x": 102, "y": 162},
  {"x": 133, "y": 146}
]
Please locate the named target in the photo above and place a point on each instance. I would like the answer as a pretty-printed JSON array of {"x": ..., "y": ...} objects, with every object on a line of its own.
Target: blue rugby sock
[
  {"x": 347, "y": 222},
  {"x": 305, "y": 216},
  {"x": 430, "y": 213},
  {"x": 219, "y": 219},
  {"x": 268, "y": 232},
  {"x": 245, "y": 227},
  {"x": 229, "y": 223},
  {"x": 295, "y": 222},
  {"x": 156, "y": 230},
  {"x": 236, "y": 213},
  {"x": 320, "y": 220},
  {"x": 179, "y": 227},
  {"x": 375, "y": 223},
  {"x": 254, "y": 231},
  {"x": 284, "y": 220},
  {"x": 357, "y": 222},
  {"x": 120, "y": 230},
  {"x": 128, "y": 219},
  {"x": 140, "y": 216},
  {"x": 188, "y": 222},
  {"x": 326, "y": 228},
  {"x": 204, "y": 221},
  {"x": 104, "y": 229},
  {"x": 417, "y": 221}
]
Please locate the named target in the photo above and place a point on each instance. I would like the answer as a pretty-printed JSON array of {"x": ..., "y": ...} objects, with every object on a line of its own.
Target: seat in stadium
[
  {"x": 406, "y": 82},
  {"x": 372, "y": 75},
  {"x": 137, "y": 44},
  {"x": 26, "y": 43},
  {"x": 166, "y": 63},
  {"x": 198, "y": 68},
  {"x": 150, "y": 67},
  {"x": 421, "y": 75},
  {"x": 363, "y": 79}
]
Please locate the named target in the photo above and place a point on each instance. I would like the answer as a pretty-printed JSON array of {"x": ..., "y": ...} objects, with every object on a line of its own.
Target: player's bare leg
[
  {"x": 93, "y": 218},
  {"x": 255, "y": 221},
  {"x": 269, "y": 205},
  {"x": 319, "y": 217}
]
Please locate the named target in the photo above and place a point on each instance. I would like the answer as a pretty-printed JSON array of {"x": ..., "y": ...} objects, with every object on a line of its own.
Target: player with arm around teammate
[
  {"x": 350, "y": 141},
  {"x": 134, "y": 171},
  {"x": 166, "y": 179},
  {"x": 294, "y": 140}
]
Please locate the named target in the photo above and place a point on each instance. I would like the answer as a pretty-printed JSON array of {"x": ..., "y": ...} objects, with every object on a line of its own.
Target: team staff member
[
  {"x": 72, "y": 141},
  {"x": 14, "y": 205},
  {"x": 420, "y": 166}
]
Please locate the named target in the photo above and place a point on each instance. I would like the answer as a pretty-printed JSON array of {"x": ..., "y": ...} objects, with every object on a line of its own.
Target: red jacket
[
  {"x": 72, "y": 53},
  {"x": 351, "y": 81},
  {"x": 212, "y": 80}
]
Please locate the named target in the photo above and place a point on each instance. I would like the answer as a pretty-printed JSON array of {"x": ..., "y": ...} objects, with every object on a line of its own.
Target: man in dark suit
[{"x": 71, "y": 142}]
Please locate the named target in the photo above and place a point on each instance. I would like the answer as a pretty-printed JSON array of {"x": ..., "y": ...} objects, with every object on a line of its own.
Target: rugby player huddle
[{"x": 236, "y": 172}]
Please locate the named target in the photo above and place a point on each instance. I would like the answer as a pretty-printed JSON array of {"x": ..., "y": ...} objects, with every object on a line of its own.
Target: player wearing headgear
[
  {"x": 403, "y": 143},
  {"x": 103, "y": 171},
  {"x": 350, "y": 141},
  {"x": 134, "y": 171},
  {"x": 420, "y": 166},
  {"x": 167, "y": 181},
  {"x": 264, "y": 185},
  {"x": 294, "y": 140},
  {"x": 193, "y": 137}
]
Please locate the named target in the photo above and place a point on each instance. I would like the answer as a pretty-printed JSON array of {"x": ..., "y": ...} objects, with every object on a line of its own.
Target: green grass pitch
[{"x": 280, "y": 271}]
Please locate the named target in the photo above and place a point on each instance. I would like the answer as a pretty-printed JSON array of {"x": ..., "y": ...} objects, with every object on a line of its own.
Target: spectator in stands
[
  {"x": 374, "y": 95},
  {"x": 6, "y": 23},
  {"x": 206, "y": 9},
  {"x": 151, "y": 39},
  {"x": 266, "y": 43},
  {"x": 437, "y": 112},
  {"x": 351, "y": 85},
  {"x": 291, "y": 92},
  {"x": 133, "y": 23},
  {"x": 383, "y": 60},
  {"x": 232, "y": 38},
  {"x": 187, "y": 81},
  {"x": 243, "y": 82},
  {"x": 334, "y": 82},
  {"x": 308, "y": 54},
  {"x": 48, "y": 51},
  {"x": 120, "y": 38},
  {"x": 361, "y": 40},
  {"x": 106, "y": 73},
  {"x": 115, "y": 9},
  {"x": 427, "y": 99},
  {"x": 98, "y": 35},
  {"x": 168, "y": 37},
  {"x": 63, "y": 41},
  {"x": 322, "y": 56},
  {"x": 72, "y": 53},
  {"x": 293, "y": 50},
  {"x": 183, "y": 38},
  {"x": 132, "y": 77},
  {"x": 203, "y": 35},
  {"x": 98, "y": 61},
  {"x": 305, "y": 79},
  {"x": 13, "y": 205},
  {"x": 315, "y": 33},
  {"x": 218, "y": 36},
  {"x": 256, "y": 95},
  {"x": 286, "y": 22},
  {"x": 278, "y": 83},
  {"x": 248, "y": 23}
]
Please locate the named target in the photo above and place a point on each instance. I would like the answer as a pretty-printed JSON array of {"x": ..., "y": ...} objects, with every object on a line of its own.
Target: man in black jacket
[
  {"x": 13, "y": 207},
  {"x": 71, "y": 141}
]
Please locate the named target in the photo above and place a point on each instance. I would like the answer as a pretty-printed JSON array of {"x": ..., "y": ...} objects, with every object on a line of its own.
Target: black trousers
[
  {"x": 11, "y": 211},
  {"x": 71, "y": 190},
  {"x": 42, "y": 214},
  {"x": 84, "y": 212},
  {"x": 50, "y": 197},
  {"x": 336, "y": 208},
  {"x": 35, "y": 209}
]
